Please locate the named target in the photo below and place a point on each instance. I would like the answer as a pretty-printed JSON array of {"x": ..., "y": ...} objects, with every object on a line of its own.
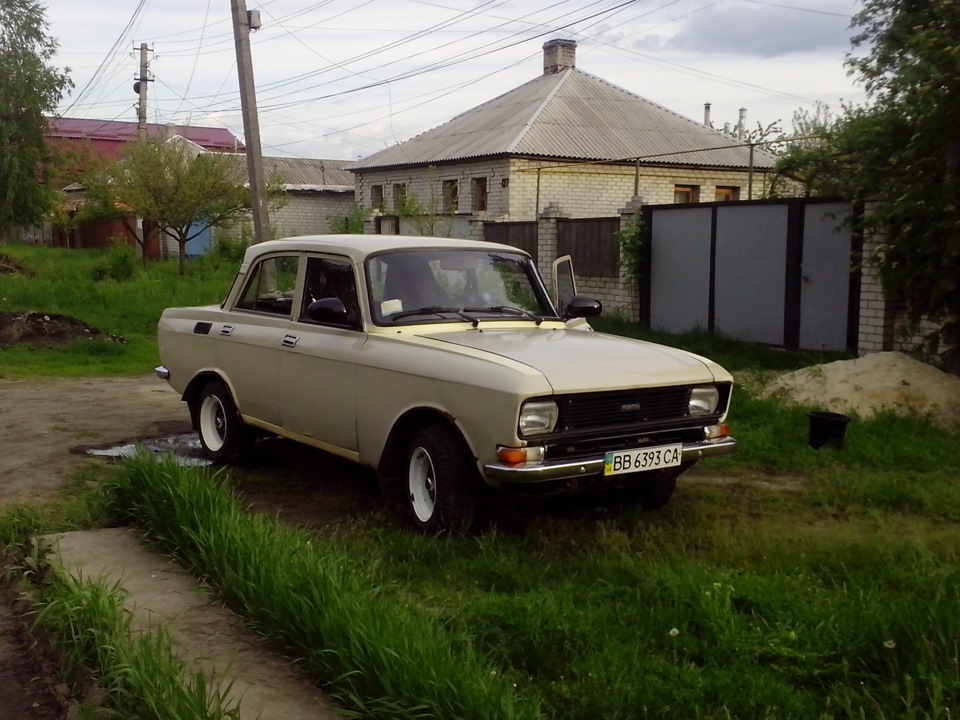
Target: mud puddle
[{"x": 184, "y": 447}]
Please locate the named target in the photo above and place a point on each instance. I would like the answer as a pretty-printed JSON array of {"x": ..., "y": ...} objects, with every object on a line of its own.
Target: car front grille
[{"x": 633, "y": 408}]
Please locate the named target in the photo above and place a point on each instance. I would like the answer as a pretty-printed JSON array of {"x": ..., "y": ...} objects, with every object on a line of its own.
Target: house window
[
  {"x": 478, "y": 188},
  {"x": 376, "y": 197},
  {"x": 399, "y": 197},
  {"x": 686, "y": 193},
  {"x": 451, "y": 195},
  {"x": 726, "y": 193}
]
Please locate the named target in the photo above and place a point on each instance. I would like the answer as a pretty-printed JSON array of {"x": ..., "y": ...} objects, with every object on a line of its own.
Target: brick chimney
[{"x": 559, "y": 55}]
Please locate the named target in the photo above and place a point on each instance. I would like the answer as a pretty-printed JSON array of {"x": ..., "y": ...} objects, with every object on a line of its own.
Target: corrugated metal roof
[
  {"x": 310, "y": 174},
  {"x": 307, "y": 174},
  {"x": 110, "y": 135},
  {"x": 571, "y": 115}
]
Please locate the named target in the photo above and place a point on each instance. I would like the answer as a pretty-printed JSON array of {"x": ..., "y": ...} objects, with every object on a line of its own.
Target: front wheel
[
  {"x": 442, "y": 487},
  {"x": 222, "y": 433},
  {"x": 653, "y": 494}
]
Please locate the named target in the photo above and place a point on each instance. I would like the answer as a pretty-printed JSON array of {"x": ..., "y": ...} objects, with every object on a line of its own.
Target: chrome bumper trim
[
  {"x": 162, "y": 372},
  {"x": 594, "y": 466}
]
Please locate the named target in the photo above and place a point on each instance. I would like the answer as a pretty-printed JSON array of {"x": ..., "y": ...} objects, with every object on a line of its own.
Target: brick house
[
  {"x": 566, "y": 138},
  {"x": 316, "y": 191}
]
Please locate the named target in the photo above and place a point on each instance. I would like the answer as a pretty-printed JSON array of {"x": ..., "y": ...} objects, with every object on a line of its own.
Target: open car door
[{"x": 564, "y": 284}]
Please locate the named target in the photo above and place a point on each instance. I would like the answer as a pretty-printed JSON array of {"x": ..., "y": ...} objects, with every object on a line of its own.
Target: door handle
[{"x": 290, "y": 341}]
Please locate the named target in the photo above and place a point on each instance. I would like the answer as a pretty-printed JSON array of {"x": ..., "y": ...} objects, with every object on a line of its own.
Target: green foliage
[
  {"x": 811, "y": 156},
  {"x": 427, "y": 216},
  {"x": 902, "y": 150},
  {"x": 120, "y": 263},
  {"x": 375, "y": 655},
  {"x": 138, "y": 671},
  {"x": 176, "y": 185},
  {"x": 61, "y": 281},
  {"x": 31, "y": 88},
  {"x": 633, "y": 242},
  {"x": 351, "y": 223}
]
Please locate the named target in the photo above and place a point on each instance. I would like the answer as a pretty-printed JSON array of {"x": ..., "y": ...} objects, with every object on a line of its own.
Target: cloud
[{"x": 757, "y": 30}]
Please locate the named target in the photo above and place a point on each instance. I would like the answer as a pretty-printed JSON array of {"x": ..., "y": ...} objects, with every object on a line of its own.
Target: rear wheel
[
  {"x": 222, "y": 433},
  {"x": 442, "y": 487}
]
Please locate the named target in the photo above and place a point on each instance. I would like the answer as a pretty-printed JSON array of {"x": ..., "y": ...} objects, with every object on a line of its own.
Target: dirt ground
[{"x": 43, "y": 422}]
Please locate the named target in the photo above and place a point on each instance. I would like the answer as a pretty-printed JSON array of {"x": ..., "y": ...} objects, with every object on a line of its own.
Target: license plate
[{"x": 651, "y": 458}]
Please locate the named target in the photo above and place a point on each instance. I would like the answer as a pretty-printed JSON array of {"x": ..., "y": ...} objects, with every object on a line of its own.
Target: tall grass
[
  {"x": 138, "y": 673},
  {"x": 377, "y": 655}
]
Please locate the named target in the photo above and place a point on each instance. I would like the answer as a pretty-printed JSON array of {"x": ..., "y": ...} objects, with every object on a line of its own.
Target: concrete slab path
[{"x": 204, "y": 634}]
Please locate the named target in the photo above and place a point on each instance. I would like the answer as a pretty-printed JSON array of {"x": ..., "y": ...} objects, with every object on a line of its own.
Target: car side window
[
  {"x": 271, "y": 287},
  {"x": 331, "y": 278}
]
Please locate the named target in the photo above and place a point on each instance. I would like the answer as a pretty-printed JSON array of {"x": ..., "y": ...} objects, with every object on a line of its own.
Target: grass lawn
[
  {"x": 62, "y": 282},
  {"x": 781, "y": 582}
]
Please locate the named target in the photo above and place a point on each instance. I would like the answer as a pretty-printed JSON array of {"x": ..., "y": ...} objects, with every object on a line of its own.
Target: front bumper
[
  {"x": 559, "y": 470},
  {"x": 162, "y": 372}
]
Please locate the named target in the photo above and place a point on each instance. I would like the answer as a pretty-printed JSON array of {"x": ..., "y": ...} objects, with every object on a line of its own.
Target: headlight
[
  {"x": 538, "y": 416},
  {"x": 703, "y": 400}
]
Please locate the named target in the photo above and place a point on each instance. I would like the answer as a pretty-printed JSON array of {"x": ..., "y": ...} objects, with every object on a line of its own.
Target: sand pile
[{"x": 889, "y": 380}]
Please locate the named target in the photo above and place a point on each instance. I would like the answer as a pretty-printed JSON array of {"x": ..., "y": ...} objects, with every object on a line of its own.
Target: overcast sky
[{"x": 345, "y": 78}]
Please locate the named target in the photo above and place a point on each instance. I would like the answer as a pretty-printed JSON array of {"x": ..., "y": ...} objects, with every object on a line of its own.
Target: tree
[
  {"x": 809, "y": 159},
  {"x": 30, "y": 89},
  {"x": 178, "y": 186},
  {"x": 903, "y": 148},
  {"x": 912, "y": 160}
]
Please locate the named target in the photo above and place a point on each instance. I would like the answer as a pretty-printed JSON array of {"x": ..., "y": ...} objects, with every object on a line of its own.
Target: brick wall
[
  {"x": 582, "y": 190},
  {"x": 600, "y": 190},
  {"x": 309, "y": 213},
  {"x": 427, "y": 184}
]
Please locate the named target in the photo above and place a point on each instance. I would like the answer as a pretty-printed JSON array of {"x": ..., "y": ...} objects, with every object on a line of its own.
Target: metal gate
[{"x": 773, "y": 272}]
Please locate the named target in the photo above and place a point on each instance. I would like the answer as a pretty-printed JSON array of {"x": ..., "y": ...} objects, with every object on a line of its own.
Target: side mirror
[
  {"x": 581, "y": 306},
  {"x": 328, "y": 310}
]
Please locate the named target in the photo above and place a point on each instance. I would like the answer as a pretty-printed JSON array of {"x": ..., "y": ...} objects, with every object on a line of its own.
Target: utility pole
[
  {"x": 140, "y": 87},
  {"x": 243, "y": 22}
]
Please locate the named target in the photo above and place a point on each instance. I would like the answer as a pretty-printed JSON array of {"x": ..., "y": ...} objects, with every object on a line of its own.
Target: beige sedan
[{"x": 446, "y": 366}]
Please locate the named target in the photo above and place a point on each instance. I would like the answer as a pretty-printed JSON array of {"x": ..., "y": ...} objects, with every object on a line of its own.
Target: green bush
[{"x": 120, "y": 263}]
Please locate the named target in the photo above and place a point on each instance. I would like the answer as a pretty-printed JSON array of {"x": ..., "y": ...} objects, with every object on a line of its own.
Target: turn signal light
[
  {"x": 716, "y": 431},
  {"x": 520, "y": 455}
]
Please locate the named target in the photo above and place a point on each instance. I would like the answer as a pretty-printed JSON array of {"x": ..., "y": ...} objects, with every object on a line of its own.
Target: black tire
[
  {"x": 440, "y": 482},
  {"x": 223, "y": 435}
]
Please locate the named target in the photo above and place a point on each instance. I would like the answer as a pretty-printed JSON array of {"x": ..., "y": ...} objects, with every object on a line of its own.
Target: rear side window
[{"x": 271, "y": 285}]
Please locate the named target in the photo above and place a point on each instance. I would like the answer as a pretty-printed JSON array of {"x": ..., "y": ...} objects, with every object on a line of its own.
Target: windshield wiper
[
  {"x": 507, "y": 310},
  {"x": 434, "y": 310}
]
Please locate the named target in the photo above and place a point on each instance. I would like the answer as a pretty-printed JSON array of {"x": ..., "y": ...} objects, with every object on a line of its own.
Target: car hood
[{"x": 577, "y": 360}]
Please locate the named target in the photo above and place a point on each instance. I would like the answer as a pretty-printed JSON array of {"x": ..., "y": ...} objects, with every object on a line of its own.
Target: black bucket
[{"x": 827, "y": 428}]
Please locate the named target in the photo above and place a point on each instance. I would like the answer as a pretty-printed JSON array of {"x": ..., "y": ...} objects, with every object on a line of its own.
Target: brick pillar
[
  {"x": 875, "y": 332},
  {"x": 476, "y": 225},
  {"x": 631, "y": 305},
  {"x": 547, "y": 242},
  {"x": 370, "y": 222}
]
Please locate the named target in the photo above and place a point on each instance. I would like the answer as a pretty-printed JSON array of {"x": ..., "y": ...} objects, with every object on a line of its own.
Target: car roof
[{"x": 359, "y": 247}]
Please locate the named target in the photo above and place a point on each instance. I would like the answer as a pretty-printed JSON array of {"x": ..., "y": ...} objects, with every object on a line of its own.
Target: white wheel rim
[
  {"x": 421, "y": 481},
  {"x": 213, "y": 423}
]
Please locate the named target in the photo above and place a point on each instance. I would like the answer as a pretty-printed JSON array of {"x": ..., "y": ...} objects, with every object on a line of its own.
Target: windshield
[{"x": 451, "y": 285}]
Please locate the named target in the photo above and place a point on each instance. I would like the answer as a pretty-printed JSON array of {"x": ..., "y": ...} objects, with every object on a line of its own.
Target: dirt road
[{"x": 44, "y": 421}]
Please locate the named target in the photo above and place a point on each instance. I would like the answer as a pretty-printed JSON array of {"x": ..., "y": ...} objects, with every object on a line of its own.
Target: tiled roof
[
  {"x": 571, "y": 115},
  {"x": 114, "y": 133}
]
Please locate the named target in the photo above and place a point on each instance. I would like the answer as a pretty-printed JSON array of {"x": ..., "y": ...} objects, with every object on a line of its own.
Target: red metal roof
[{"x": 109, "y": 136}]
